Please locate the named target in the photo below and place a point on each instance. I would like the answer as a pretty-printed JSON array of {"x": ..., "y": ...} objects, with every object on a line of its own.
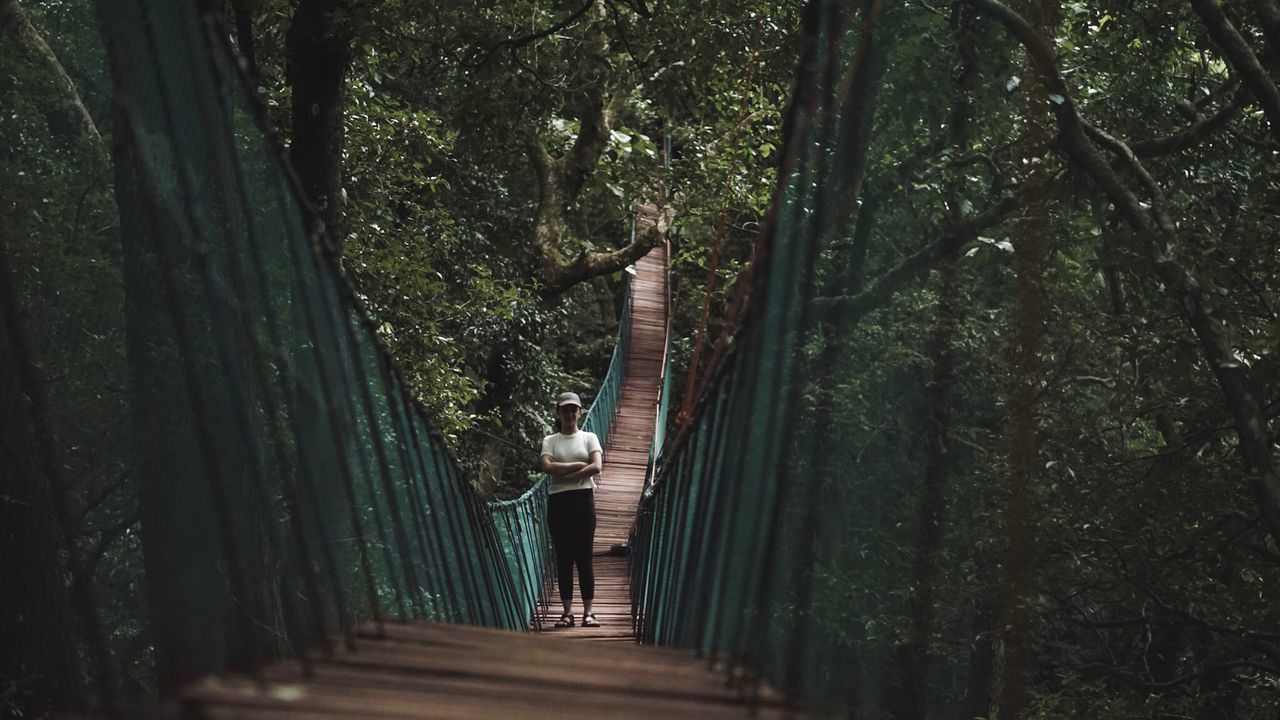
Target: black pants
[{"x": 571, "y": 517}]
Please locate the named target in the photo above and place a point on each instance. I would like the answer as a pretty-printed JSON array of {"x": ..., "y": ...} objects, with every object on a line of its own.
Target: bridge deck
[
  {"x": 427, "y": 670},
  {"x": 625, "y": 458},
  {"x": 431, "y": 670}
]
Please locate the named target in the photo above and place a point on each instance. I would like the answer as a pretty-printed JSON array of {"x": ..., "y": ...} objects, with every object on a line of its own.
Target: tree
[
  {"x": 68, "y": 116},
  {"x": 508, "y": 162},
  {"x": 319, "y": 56}
]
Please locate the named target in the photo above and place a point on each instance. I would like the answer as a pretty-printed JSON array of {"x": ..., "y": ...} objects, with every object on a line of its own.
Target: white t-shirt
[{"x": 571, "y": 448}]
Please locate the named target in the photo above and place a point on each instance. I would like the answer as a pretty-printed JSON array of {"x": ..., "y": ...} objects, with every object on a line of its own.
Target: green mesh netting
[
  {"x": 749, "y": 546},
  {"x": 188, "y": 380}
]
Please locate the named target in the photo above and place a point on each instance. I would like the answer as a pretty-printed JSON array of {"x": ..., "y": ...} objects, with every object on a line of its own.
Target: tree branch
[
  {"x": 561, "y": 180},
  {"x": 549, "y": 216},
  {"x": 850, "y": 308},
  {"x": 1269, "y": 17},
  {"x": 1128, "y": 158},
  {"x": 651, "y": 227},
  {"x": 1199, "y": 131},
  {"x": 523, "y": 40},
  {"x": 15, "y": 24},
  {"x": 1242, "y": 58}
]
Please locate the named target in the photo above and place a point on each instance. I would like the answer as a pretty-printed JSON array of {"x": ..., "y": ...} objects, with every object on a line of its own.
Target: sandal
[
  {"x": 566, "y": 621},
  {"x": 589, "y": 620}
]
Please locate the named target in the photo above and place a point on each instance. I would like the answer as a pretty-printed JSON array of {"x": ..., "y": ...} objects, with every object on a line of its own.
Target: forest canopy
[{"x": 1046, "y": 324}]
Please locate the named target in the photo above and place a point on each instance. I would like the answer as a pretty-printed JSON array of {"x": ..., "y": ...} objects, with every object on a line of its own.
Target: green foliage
[
  {"x": 61, "y": 240},
  {"x": 441, "y": 193},
  {"x": 1153, "y": 577},
  {"x": 1155, "y": 583}
]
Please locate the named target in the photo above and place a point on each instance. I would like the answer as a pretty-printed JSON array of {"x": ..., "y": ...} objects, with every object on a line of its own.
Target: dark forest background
[{"x": 479, "y": 166}]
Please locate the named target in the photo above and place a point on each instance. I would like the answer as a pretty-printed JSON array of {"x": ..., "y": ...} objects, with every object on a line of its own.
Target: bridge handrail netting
[
  {"x": 728, "y": 539},
  {"x": 290, "y": 488}
]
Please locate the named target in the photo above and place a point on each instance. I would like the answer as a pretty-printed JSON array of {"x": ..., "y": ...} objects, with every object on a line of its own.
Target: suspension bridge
[
  {"x": 437, "y": 670},
  {"x": 311, "y": 547}
]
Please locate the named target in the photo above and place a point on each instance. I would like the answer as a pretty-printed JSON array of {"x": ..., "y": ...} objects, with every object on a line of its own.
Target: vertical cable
[
  {"x": 275, "y": 420},
  {"x": 365, "y": 392},
  {"x": 431, "y": 503},
  {"x": 403, "y": 550},
  {"x": 185, "y": 343}
]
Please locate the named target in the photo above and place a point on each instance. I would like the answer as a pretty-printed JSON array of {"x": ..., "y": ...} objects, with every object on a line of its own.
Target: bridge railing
[
  {"x": 641, "y": 538},
  {"x": 604, "y": 407},
  {"x": 205, "y": 397},
  {"x": 730, "y": 539}
]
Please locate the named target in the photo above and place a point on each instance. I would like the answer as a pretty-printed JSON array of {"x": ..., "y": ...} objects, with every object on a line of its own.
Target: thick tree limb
[
  {"x": 1242, "y": 58},
  {"x": 850, "y": 308},
  {"x": 1269, "y": 17},
  {"x": 16, "y": 27},
  {"x": 319, "y": 55},
  {"x": 523, "y": 40},
  {"x": 561, "y": 180},
  {"x": 1200, "y": 130},
  {"x": 549, "y": 221},
  {"x": 1128, "y": 158},
  {"x": 588, "y": 265}
]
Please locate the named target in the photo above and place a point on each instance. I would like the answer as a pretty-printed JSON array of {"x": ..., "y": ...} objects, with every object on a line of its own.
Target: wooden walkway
[
  {"x": 431, "y": 670},
  {"x": 626, "y": 456},
  {"x": 425, "y": 670}
]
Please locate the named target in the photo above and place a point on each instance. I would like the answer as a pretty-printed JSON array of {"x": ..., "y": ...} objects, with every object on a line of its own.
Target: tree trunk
[
  {"x": 976, "y": 702},
  {"x": 860, "y": 243},
  {"x": 924, "y": 572},
  {"x": 68, "y": 114},
  {"x": 938, "y": 405},
  {"x": 243, "y": 19},
  {"x": 1028, "y": 260},
  {"x": 38, "y": 651},
  {"x": 1111, "y": 274},
  {"x": 604, "y": 298},
  {"x": 319, "y": 55}
]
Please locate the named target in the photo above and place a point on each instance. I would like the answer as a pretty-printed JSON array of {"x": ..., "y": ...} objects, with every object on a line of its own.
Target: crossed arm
[{"x": 571, "y": 471}]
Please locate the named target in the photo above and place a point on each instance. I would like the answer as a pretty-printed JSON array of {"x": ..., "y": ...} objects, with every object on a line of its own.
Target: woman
[{"x": 573, "y": 458}]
